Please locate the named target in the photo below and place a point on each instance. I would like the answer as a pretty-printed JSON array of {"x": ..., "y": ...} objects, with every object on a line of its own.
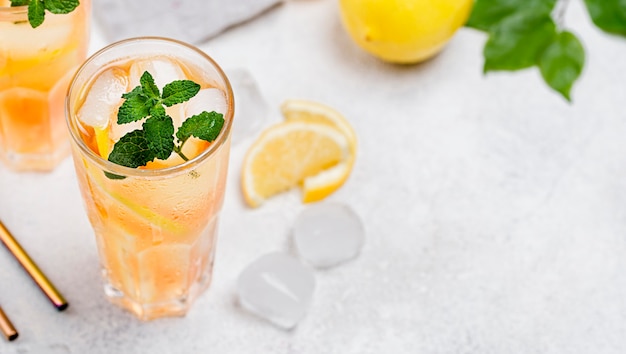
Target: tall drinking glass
[
  {"x": 155, "y": 226},
  {"x": 36, "y": 65}
]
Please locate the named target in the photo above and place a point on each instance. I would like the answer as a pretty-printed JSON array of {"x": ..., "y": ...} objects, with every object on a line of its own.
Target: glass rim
[{"x": 114, "y": 168}]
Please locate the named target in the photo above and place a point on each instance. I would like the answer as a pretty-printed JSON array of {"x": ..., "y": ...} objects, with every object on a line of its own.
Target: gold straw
[
  {"x": 7, "y": 327},
  {"x": 44, "y": 284}
]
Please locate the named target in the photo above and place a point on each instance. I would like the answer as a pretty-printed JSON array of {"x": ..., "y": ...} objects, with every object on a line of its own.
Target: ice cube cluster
[{"x": 279, "y": 287}]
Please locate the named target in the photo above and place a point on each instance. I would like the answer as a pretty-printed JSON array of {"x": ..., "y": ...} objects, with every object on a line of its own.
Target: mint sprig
[
  {"x": 37, "y": 8},
  {"x": 156, "y": 138}
]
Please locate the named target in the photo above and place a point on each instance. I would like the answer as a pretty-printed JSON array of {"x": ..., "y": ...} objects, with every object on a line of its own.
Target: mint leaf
[
  {"x": 159, "y": 131},
  {"x": 60, "y": 6},
  {"x": 132, "y": 150},
  {"x": 157, "y": 110},
  {"x": 148, "y": 86},
  {"x": 562, "y": 62},
  {"x": 36, "y": 13},
  {"x": 518, "y": 41},
  {"x": 205, "y": 126},
  {"x": 608, "y": 15},
  {"x": 113, "y": 175},
  {"x": 179, "y": 91},
  {"x": 486, "y": 14},
  {"x": 136, "y": 107},
  {"x": 19, "y": 3}
]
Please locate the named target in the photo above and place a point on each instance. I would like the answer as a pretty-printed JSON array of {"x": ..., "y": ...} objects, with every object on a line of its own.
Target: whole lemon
[{"x": 403, "y": 31}]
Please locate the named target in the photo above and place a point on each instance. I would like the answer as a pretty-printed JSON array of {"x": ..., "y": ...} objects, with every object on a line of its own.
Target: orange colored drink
[
  {"x": 155, "y": 226},
  {"x": 36, "y": 66}
]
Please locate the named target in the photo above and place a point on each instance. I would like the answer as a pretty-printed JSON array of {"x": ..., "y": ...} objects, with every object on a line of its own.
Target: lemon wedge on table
[
  {"x": 318, "y": 187},
  {"x": 315, "y": 148}
]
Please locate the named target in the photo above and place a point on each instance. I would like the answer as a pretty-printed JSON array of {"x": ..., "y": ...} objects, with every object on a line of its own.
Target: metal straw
[
  {"x": 44, "y": 284},
  {"x": 7, "y": 327}
]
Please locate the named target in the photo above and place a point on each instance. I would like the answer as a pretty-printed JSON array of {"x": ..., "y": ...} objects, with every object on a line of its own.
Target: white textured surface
[{"x": 495, "y": 213}]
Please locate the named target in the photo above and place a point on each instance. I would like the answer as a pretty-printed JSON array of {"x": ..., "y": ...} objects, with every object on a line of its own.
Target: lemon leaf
[
  {"x": 608, "y": 15},
  {"x": 518, "y": 41},
  {"x": 562, "y": 62},
  {"x": 486, "y": 14}
]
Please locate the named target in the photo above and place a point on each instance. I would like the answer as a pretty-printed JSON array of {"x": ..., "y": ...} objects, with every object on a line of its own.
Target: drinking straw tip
[{"x": 62, "y": 306}]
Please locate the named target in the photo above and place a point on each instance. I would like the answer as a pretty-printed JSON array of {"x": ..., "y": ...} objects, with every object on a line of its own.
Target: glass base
[
  {"x": 172, "y": 308},
  {"x": 34, "y": 162}
]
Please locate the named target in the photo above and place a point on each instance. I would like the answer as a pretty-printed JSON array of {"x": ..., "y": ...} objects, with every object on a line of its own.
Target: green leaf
[
  {"x": 157, "y": 110},
  {"x": 159, "y": 131},
  {"x": 608, "y": 15},
  {"x": 179, "y": 91},
  {"x": 113, "y": 175},
  {"x": 562, "y": 62},
  {"x": 148, "y": 86},
  {"x": 518, "y": 41},
  {"x": 19, "y": 3},
  {"x": 132, "y": 150},
  {"x": 136, "y": 106},
  {"x": 61, "y": 6},
  {"x": 487, "y": 14},
  {"x": 36, "y": 13},
  {"x": 205, "y": 126}
]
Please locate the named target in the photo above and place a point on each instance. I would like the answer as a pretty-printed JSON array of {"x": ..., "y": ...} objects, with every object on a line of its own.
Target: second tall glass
[{"x": 36, "y": 66}]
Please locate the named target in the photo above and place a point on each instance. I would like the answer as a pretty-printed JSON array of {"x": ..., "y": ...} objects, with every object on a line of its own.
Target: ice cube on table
[
  {"x": 278, "y": 288},
  {"x": 251, "y": 109},
  {"x": 162, "y": 69},
  {"x": 209, "y": 99},
  {"x": 328, "y": 234},
  {"x": 104, "y": 98}
]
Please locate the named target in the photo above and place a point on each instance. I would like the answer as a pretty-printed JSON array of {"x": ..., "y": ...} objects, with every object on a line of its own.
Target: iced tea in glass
[
  {"x": 36, "y": 65},
  {"x": 156, "y": 225}
]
